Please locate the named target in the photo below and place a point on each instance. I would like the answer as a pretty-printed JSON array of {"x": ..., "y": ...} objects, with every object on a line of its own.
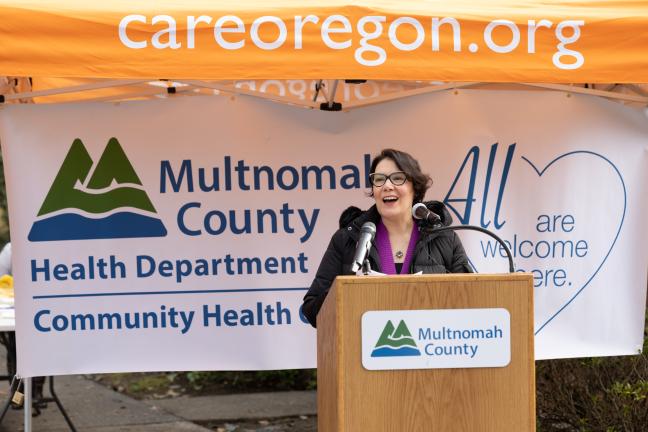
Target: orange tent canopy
[{"x": 563, "y": 41}]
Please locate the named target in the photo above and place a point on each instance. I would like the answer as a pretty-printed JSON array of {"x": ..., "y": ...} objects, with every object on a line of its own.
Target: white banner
[{"x": 182, "y": 234}]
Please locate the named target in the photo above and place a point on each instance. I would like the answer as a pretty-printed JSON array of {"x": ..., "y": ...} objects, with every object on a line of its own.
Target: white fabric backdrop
[{"x": 561, "y": 178}]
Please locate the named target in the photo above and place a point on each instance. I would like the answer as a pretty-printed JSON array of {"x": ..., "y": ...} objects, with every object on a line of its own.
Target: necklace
[{"x": 399, "y": 254}]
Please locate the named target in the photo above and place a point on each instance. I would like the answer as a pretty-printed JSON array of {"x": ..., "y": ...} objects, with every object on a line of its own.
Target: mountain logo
[
  {"x": 96, "y": 201},
  {"x": 395, "y": 342}
]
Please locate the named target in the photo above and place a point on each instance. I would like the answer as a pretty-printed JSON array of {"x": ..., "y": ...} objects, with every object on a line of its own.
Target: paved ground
[
  {"x": 256, "y": 406},
  {"x": 95, "y": 408},
  {"x": 293, "y": 424}
]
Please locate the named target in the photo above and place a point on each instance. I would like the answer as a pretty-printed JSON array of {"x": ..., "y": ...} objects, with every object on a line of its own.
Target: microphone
[
  {"x": 367, "y": 234},
  {"x": 420, "y": 211}
]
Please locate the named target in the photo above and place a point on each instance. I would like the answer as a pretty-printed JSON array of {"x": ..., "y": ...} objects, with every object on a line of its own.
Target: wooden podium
[{"x": 351, "y": 398}]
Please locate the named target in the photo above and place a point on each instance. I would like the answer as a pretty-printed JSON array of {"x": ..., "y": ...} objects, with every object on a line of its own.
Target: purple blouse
[{"x": 385, "y": 252}]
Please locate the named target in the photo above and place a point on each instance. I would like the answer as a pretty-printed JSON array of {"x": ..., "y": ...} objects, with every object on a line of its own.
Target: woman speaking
[{"x": 402, "y": 246}]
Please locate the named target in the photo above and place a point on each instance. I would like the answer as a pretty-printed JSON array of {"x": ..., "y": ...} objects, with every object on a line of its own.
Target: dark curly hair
[{"x": 405, "y": 162}]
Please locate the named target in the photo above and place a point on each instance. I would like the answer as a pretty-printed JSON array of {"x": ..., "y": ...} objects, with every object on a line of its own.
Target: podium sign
[
  {"x": 427, "y": 353},
  {"x": 441, "y": 338}
]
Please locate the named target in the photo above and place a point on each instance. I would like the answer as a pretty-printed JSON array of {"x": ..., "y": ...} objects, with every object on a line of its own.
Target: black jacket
[{"x": 434, "y": 253}]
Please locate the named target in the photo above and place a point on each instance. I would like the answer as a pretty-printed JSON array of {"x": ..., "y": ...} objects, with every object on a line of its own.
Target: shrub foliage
[{"x": 608, "y": 394}]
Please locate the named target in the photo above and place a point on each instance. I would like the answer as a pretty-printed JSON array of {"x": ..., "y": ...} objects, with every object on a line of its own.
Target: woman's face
[{"x": 392, "y": 201}]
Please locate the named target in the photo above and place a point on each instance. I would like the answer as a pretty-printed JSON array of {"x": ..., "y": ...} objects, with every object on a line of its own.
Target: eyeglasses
[{"x": 397, "y": 178}]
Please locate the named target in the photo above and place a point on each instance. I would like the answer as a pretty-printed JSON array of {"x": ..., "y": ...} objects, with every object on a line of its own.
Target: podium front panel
[{"x": 352, "y": 398}]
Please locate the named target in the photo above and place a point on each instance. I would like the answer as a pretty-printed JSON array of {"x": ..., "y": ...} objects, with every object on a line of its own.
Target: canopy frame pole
[
  {"x": 408, "y": 93},
  {"x": 73, "y": 89},
  {"x": 331, "y": 100},
  {"x": 453, "y": 86},
  {"x": 27, "y": 407},
  {"x": 7, "y": 85},
  {"x": 237, "y": 90},
  {"x": 635, "y": 88},
  {"x": 591, "y": 92},
  {"x": 329, "y": 97},
  {"x": 329, "y": 103},
  {"x": 152, "y": 92},
  {"x": 320, "y": 86}
]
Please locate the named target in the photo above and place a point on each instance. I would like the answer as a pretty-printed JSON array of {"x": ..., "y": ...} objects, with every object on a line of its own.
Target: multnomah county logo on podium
[
  {"x": 395, "y": 342},
  {"x": 96, "y": 201},
  {"x": 436, "y": 339}
]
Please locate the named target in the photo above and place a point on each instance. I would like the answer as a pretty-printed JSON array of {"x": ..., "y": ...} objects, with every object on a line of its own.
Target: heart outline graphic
[{"x": 616, "y": 237}]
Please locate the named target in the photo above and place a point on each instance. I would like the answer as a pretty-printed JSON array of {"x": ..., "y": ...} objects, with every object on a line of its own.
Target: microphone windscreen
[
  {"x": 420, "y": 211},
  {"x": 369, "y": 228}
]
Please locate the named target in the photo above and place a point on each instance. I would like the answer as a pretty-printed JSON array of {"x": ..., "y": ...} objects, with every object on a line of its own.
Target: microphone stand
[
  {"x": 366, "y": 267},
  {"x": 436, "y": 228}
]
